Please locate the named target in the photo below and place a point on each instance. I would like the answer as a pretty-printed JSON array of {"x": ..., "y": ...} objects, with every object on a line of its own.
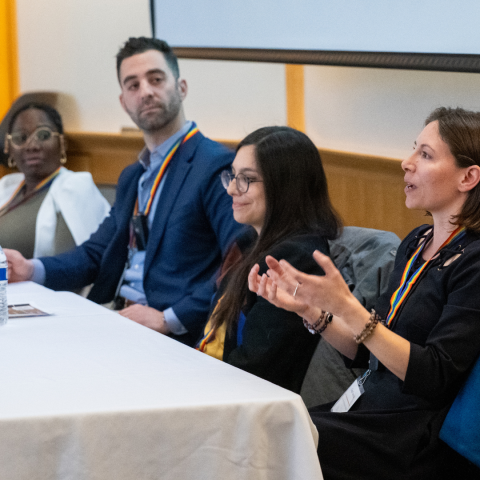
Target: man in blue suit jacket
[{"x": 190, "y": 222}]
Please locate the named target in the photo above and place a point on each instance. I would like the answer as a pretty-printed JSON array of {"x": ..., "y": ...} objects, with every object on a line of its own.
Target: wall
[
  {"x": 379, "y": 111},
  {"x": 69, "y": 46},
  {"x": 367, "y": 191}
]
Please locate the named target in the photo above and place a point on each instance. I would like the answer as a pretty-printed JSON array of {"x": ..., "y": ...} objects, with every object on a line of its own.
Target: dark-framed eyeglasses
[
  {"x": 241, "y": 180},
  {"x": 40, "y": 134}
]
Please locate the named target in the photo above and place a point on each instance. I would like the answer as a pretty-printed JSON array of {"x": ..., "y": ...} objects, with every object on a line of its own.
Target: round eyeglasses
[
  {"x": 40, "y": 134},
  {"x": 241, "y": 180}
]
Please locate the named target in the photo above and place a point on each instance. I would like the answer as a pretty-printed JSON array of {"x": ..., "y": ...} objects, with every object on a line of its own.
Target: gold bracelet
[{"x": 369, "y": 328}]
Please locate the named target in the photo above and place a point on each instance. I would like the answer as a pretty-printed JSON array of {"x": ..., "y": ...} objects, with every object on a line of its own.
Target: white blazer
[{"x": 74, "y": 195}]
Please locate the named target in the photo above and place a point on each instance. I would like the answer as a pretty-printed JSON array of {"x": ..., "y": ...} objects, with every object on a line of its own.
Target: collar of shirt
[{"x": 152, "y": 160}]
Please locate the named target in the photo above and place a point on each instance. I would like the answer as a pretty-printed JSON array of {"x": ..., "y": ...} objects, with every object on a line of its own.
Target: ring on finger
[{"x": 296, "y": 288}]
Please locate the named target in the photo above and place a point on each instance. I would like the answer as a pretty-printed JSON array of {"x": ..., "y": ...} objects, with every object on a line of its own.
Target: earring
[
  {"x": 63, "y": 158},
  {"x": 6, "y": 150}
]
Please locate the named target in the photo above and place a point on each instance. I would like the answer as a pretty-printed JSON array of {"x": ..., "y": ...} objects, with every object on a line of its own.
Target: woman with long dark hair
[
  {"x": 422, "y": 340},
  {"x": 278, "y": 188}
]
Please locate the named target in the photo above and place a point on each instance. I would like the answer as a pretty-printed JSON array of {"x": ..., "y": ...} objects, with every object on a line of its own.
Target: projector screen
[{"x": 411, "y": 34}]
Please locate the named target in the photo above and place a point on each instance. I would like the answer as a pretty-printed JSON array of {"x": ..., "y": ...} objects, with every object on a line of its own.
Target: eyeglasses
[
  {"x": 241, "y": 180},
  {"x": 40, "y": 134}
]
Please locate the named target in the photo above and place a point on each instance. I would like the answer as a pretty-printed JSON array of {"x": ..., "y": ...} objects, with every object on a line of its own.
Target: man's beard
[{"x": 155, "y": 121}]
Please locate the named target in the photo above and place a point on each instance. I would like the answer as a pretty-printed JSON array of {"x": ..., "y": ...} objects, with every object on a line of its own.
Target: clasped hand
[
  {"x": 19, "y": 268},
  {"x": 146, "y": 316}
]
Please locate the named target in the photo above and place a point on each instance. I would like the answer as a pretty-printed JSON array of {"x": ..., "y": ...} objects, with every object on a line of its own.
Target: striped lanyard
[
  {"x": 193, "y": 130},
  {"x": 46, "y": 182},
  {"x": 407, "y": 281}
]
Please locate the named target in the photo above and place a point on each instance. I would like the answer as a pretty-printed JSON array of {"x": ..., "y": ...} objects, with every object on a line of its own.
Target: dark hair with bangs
[
  {"x": 460, "y": 130},
  {"x": 135, "y": 45},
  {"x": 297, "y": 202}
]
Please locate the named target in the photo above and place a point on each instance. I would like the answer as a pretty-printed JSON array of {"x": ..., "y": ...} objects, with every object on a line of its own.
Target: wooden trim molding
[
  {"x": 8, "y": 55},
  {"x": 440, "y": 62},
  {"x": 295, "y": 90},
  {"x": 366, "y": 190},
  {"x": 103, "y": 155}
]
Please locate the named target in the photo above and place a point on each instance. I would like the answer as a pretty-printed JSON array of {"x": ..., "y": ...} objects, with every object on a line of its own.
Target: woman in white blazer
[{"x": 45, "y": 209}]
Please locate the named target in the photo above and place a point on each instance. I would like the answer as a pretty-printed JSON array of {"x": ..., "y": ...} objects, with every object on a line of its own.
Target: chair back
[
  {"x": 461, "y": 428},
  {"x": 365, "y": 258},
  {"x": 109, "y": 191}
]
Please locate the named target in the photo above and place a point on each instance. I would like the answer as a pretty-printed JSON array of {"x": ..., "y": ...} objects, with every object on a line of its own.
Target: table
[{"x": 89, "y": 395}]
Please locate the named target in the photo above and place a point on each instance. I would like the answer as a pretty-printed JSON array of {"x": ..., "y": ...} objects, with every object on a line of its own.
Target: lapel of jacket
[
  {"x": 129, "y": 198},
  {"x": 177, "y": 173}
]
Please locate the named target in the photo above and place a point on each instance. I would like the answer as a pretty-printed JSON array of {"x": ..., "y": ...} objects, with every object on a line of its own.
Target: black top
[
  {"x": 393, "y": 428},
  {"x": 276, "y": 346}
]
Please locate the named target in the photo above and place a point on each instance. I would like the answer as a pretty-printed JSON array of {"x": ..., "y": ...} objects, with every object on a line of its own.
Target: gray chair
[
  {"x": 365, "y": 257},
  {"x": 109, "y": 191}
]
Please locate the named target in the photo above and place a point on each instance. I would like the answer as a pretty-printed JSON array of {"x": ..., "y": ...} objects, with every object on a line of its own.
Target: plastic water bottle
[{"x": 3, "y": 288}]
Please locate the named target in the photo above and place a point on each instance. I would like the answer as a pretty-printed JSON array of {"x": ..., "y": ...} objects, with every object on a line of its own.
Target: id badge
[
  {"x": 351, "y": 395},
  {"x": 140, "y": 229}
]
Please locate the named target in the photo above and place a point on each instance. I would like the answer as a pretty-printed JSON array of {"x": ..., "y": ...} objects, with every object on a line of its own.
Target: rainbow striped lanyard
[
  {"x": 207, "y": 338},
  {"x": 407, "y": 281},
  {"x": 43, "y": 184},
  {"x": 193, "y": 130}
]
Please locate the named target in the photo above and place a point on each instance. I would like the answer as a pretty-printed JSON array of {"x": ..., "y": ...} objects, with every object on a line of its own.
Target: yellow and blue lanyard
[{"x": 408, "y": 280}]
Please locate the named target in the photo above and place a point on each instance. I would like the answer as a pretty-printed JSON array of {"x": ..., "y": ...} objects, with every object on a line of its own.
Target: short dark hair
[
  {"x": 297, "y": 202},
  {"x": 460, "y": 130},
  {"x": 51, "y": 113},
  {"x": 136, "y": 45}
]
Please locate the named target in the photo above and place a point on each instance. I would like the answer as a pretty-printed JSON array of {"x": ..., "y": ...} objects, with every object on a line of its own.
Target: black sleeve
[
  {"x": 276, "y": 346},
  {"x": 438, "y": 366}
]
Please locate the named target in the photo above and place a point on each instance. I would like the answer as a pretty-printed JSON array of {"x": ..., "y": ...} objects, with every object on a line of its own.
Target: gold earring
[
  {"x": 63, "y": 158},
  {"x": 6, "y": 150}
]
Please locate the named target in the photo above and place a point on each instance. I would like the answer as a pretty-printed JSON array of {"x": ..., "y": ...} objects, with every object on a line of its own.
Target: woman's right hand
[
  {"x": 329, "y": 292},
  {"x": 19, "y": 268},
  {"x": 278, "y": 287},
  {"x": 307, "y": 295}
]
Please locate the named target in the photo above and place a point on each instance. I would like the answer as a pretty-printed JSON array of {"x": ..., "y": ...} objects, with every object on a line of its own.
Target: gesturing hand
[
  {"x": 267, "y": 288},
  {"x": 328, "y": 292}
]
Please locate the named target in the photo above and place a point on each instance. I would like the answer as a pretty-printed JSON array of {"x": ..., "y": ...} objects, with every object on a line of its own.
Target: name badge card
[{"x": 351, "y": 395}]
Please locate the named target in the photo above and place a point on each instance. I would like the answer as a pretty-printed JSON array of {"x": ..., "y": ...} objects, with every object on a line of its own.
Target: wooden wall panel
[
  {"x": 103, "y": 155},
  {"x": 367, "y": 191}
]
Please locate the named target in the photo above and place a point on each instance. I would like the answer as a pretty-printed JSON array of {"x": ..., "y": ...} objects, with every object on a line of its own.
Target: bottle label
[{"x": 3, "y": 274}]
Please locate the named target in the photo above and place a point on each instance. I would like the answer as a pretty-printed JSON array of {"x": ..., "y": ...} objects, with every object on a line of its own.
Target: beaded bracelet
[
  {"x": 325, "y": 318},
  {"x": 369, "y": 328}
]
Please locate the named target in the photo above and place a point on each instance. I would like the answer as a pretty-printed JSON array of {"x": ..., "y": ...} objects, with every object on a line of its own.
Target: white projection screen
[{"x": 441, "y": 35}]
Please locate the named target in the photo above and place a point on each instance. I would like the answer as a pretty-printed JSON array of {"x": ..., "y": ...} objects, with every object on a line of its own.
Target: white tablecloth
[{"x": 89, "y": 395}]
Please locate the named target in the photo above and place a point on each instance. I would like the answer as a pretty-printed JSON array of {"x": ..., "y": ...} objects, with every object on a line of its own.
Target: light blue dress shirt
[{"x": 132, "y": 287}]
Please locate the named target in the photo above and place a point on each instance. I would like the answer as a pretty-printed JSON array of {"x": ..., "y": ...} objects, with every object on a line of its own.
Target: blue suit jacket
[{"x": 192, "y": 228}]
